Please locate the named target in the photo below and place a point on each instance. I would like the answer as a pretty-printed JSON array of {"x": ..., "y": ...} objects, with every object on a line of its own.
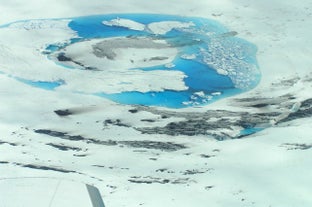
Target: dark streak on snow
[
  {"x": 9, "y": 143},
  {"x": 296, "y": 146},
  {"x": 164, "y": 146},
  {"x": 64, "y": 135},
  {"x": 186, "y": 172},
  {"x": 116, "y": 122},
  {"x": 133, "y": 111},
  {"x": 196, "y": 171},
  {"x": 42, "y": 167},
  {"x": 80, "y": 155},
  {"x": 145, "y": 144},
  {"x": 153, "y": 180},
  {"x": 63, "y": 147},
  {"x": 47, "y": 168},
  {"x": 148, "y": 120},
  {"x": 63, "y": 58},
  {"x": 209, "y": 187},
  {"x": 61, "y": 135},
  {"x": 111, "y": 167},
  {"x": 207, "y": 156},
  {"x": 65, "y": 112}
]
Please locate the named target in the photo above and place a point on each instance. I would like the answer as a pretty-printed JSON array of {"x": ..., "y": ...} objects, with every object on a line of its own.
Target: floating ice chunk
[
  {"x": 166, "y": 26},
  {"x": 198, "y": 98},
  {"x": 221, "y": 71},
  {"x": 200, "y": 94},
  {"x": 216, "y": 93},
  {"x": 119, "y": 22},
  {"x": 188, "y": 57},
  {"x": 169, "y": 65},
  {"x": 187, "y": 103}
]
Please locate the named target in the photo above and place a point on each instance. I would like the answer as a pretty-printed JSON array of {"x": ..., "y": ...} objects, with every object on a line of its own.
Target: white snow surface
[
  {"x": 260, "y": 170},
  {"x": 125, "y": 23},
  {"x": 157, "y": 28},
  {"x": 43, "y": 192},
  {"x": 165, "y": 26}
]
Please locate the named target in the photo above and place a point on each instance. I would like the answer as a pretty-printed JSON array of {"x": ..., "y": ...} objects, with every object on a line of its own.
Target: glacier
[{"x": 249, "y": 149}]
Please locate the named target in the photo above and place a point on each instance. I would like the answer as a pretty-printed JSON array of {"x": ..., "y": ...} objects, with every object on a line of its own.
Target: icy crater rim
[{"x": 229, "y": 57}]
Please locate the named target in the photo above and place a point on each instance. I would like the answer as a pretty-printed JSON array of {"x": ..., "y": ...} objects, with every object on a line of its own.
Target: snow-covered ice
[{"x": 154, "y": 156}]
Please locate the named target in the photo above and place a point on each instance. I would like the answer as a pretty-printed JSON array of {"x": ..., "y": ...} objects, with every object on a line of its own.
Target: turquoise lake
[{"x": 214, "y": 48}]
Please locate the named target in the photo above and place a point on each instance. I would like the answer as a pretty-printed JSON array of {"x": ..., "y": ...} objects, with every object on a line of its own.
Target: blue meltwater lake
[{"x": 216, "y": 63}]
